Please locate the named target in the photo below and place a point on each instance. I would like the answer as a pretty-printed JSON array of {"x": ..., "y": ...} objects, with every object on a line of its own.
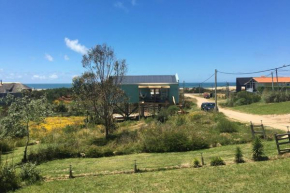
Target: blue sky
[{"x": 42, "y": 41}]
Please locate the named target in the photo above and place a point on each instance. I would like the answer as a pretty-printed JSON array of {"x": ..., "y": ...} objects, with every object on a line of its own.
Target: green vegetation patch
[
  {"x": 265, "y": 108},
  {"x": 232, "y": 178}
]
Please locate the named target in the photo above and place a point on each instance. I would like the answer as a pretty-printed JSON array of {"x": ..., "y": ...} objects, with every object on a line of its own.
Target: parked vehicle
[
  {"x": 206, "y": 95},
  {"x": 208, "y": 106}
]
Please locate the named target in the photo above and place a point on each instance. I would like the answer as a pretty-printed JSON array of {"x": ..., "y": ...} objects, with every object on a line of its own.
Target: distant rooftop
[
  {"x": 143, "y": 79},
  {"x": 264, "y": 79},
  {"x": 13, "y": 87}
]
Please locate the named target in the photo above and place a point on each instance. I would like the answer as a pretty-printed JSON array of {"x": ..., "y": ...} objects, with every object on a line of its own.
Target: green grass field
[
  {"x": 250, "y": 176},
  {"x": 265, "y": 108},
  {"x": 270, "y": 176},
  {"x": 267, "y": 176}
]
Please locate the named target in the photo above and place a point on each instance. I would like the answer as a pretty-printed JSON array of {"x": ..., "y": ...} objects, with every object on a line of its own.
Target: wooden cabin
[
  {"x": 151, "y": 88},
  {"x": 147, "y": 94}
]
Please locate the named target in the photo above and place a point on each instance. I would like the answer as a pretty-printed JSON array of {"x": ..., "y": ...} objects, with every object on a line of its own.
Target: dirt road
[{"x": 275, "y": 121}]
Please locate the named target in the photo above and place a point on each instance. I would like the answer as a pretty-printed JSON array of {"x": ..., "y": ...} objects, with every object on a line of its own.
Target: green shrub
[
  {"x": 70, "y": 129},
  {"x": 51, "y": 153},
  {"x": 99, "y": 141},
  {"x": 29, "y": 173},
  {"x": 172, "y": 110},
  {"x": 276, "y": 96},
  {"x": 226, "y": 126},
  {"x": 5, "y": 146},
  {"x": 188, "y": 104},
  {"x": 94, "y": 152},
  {"x": 163, "y": 115},
  {"x": 242, "y": 98},
  {"x": 180, "y": 120},
  {"x": 258, "y": 150},
  {"x": 164, "y": 140},
  {"x": 9, "y": 181},
  {"x": 196, "y": 163},
  {"x": 196, "y": 117},
  {"x": 239, "y": 156},
  {"x": 217, "y": 161}
]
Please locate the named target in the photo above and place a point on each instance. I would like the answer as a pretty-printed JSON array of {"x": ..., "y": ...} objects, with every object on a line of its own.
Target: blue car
[{"x": 208, "y": 106}]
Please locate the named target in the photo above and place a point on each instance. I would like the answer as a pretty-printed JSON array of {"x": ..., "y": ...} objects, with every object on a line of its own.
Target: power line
[
  {"x": 253, "y": 72},
  {"x": 207, "y": 78}
]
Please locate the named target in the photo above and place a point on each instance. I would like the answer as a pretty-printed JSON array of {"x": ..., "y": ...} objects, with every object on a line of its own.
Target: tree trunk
[
  {"x": 27, "y": 142},
  {"x": 107, "y": 127}
]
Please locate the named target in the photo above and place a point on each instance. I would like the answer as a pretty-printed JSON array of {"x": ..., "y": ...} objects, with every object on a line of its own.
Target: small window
[
  {"x": 156, "y": 91},
  {"x": 152, "y": 91}
]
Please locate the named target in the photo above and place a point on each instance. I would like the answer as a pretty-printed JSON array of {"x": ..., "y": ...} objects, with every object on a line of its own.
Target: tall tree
[
  {"x": 101, "y": 82},
  {"x": 21, "y": 112}
]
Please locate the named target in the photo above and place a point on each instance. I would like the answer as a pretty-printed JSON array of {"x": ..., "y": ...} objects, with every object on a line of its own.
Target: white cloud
[
  {"x": 48, "y": 57},
  {"x": 1, "y": 70},
  {"x": 66, "y": 57},
  {"x": 36, "y": 76},
  {"x": 53, "y": 76},
  {"x": 133, "y": 2},
  {"x": 76, "y": 46},
  {"x": 120, "y": 5}
]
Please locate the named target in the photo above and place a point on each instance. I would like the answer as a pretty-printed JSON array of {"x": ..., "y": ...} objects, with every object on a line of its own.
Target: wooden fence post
[
  {"x": 135, "y": 167},
  {"x": 277, "y": 143},
  {"x": 252, "y": 129},
  {"x": 70, "y": 172},
  {"x": 264, "y": 133},
  {"x": 202, "y": 160}
]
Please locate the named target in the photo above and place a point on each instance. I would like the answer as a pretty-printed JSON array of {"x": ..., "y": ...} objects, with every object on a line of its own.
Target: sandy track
[{"x": 275, "y": 121}]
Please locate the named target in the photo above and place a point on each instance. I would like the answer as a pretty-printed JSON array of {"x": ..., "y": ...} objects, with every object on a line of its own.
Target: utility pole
[
  {"x": 227, "y": 90},
  {"x": 277, "y": 78},
  {"x": 215, "y": 95},
  {"x": 272, "y": 82},
  {"x": 183, "y": 93},
  {"x": 199, "y": 89}
]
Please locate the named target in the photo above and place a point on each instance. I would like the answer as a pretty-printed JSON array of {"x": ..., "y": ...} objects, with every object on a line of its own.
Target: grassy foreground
[
  {"x": 265, "y": 108},
  {"x": 267, "y": 176},
  {"x": 270, "y": 176}
]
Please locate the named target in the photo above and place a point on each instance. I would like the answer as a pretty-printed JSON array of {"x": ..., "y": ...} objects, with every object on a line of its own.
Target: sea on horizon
[{"x": 181, "y": 85}]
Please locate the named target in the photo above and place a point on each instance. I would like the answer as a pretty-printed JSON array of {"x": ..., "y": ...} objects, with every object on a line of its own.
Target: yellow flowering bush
[{"x": 52, "y": 123}]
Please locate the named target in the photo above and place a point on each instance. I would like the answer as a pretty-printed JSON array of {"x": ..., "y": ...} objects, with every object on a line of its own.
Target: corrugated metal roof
[
  {"x": 143, "y": 79},
  {"x": 269, "y": 79}
]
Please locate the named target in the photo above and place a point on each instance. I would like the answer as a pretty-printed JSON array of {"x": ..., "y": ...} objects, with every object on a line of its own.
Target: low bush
[
  {"x": 196, "y": 163},
  {"x": 239, "y": 156},
  {"x": 170, "y": 139},
  {"x": 188, "y": 104},
  {"x": 94, "y": 152},
  {"x": 5, "y": 146},
  {"x": 275, "y": 96},
  {"x": 172, "y": 110},
  {"x": 29, "y": 174},
  {"x": 51, "y": 153},
  {"x": 258, "y": 150},
  {"x": 9, "y": 181},
  {"x": 217, "y": 161},
  {"x": 226, "y": 126},
  {"x": 163, "y": 115},
  {"x": 242, "y": 98}
]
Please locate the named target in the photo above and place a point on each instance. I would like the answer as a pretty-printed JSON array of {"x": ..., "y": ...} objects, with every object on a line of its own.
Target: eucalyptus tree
[
  {"x": 21, "y": 112},
  {"x": 100, "y": 84}
]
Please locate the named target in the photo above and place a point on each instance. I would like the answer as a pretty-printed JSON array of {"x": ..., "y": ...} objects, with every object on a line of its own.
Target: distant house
[
  {"x": 252, "y": 83},
  {"x": 151, "y": 89},
  {"x": 12, "y": 88}
]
